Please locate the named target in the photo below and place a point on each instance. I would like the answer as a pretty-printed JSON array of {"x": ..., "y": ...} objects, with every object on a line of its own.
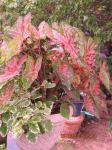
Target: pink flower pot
[
  {"x": 71, "y": 127},
  {"x": 43, "y": 142}
]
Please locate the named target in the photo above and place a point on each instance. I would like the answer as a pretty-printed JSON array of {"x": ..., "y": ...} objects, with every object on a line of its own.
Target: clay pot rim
[{"x": 75, "y": 119}]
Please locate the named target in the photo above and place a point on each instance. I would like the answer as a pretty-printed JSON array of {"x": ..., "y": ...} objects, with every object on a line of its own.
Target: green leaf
[
  {"x": 24, "y": 103},
  {"x": 34, "y": 128},
  {"x": 3, "y": 109},
  {"x": 39, "y": 104},
  {"x": 48, "y": 125},
  {"x": 25, "y": 83},
  {"x": 3, "y": 129},
  {"x": 53, "y": 98},
  {"x": 48, "y": 85},
  {"x": 37, "y": 118},
  {"x": 31, "y": 137},
  {"x": 5, "y": 117},
  {"x": 49, "y": 104},
  {"x": 36, "y": 95},
  {"x": 64, "y": 110},
  {"x": 42, "y": 127}
]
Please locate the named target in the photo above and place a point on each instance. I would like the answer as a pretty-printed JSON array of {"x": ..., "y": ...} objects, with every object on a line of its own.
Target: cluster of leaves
[
  {"x": 34, "y": 60},
  {"x": 93, "y": 16}
]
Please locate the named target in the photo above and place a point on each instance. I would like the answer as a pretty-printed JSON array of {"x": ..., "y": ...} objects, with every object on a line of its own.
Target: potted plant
[
  {"x": 26, "y": 78},
  {"x": 80, "y": 71},
  {"x": 34, "y": 65}
]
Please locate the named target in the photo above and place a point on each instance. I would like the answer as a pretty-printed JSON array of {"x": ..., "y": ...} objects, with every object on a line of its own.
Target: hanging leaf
[
  {"x": 64, "y": 110},
  {"x": 80, "y": 40},
  {"x": 89, "y": 105},
  {"x": 31, "y": 70},
  {"x": 66, "y": 74}
]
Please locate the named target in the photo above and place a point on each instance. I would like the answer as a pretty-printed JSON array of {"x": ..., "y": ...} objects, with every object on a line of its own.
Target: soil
[{"x": 94, "y": 135}]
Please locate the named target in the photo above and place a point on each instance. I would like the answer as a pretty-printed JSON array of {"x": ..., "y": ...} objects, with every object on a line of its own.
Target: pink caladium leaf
[
  {"x": 66, "y": 40},
  {"x": 66, "y": 74},
  {"x": 9, "y": 49},
  {"x": 6, "y": 93},
  {"x": 12, "y": 68},
  {"x": 95, "y": 88},
  {"x": 24, "y": 29},
  {"x": 90, "y": 54},
  {"x": 31, "y": 70},
  {"x": 91, "y": 106},
  {"x": 21, "y": 27},
  {"x": 45, "y": 30}
]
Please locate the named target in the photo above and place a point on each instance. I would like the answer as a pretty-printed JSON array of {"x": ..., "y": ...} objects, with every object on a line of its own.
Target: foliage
[
  {"x": 40, "y": 59},
  {"x": 3, "y": 147},
  {"x": 84, "y": 14}
]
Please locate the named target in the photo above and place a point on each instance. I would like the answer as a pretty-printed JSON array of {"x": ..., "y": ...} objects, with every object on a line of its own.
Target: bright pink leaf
[
  {"x": 66, "y": 40},
  {"x": 12, "y": 69},
  {"x": 24, "y": 28},
  {"x": 90, "y": 53}
]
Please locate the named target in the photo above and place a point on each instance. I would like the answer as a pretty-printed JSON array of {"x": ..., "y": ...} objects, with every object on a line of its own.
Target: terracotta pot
[
  {"x": 71, "y": 127},
  {"x": 43, "y": 142}
]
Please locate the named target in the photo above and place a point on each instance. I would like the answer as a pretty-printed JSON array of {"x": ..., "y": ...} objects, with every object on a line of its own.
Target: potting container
[
  {"x": 71, "y": 126},
  {"x": 43, "y": 142}
]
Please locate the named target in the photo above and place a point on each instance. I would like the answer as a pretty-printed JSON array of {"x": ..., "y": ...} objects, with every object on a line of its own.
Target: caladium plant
[{"x": 34, "y": 60}]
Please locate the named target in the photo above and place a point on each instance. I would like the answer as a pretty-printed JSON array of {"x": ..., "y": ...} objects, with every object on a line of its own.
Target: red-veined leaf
[
  {"x": 12, "y": 68},
  {"x": 31, "y": 70}
]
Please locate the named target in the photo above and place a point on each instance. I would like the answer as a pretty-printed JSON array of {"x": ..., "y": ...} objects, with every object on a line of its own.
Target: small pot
[
  {"x": 43, "y": 142},
  {"x": 71, "y": 126}
]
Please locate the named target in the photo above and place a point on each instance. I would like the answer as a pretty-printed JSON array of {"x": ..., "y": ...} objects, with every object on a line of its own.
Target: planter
[
  {"x": 71, "y": 126},
  {"x": 78, "y": 108},
  {"x": 43, "y": 142}
]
